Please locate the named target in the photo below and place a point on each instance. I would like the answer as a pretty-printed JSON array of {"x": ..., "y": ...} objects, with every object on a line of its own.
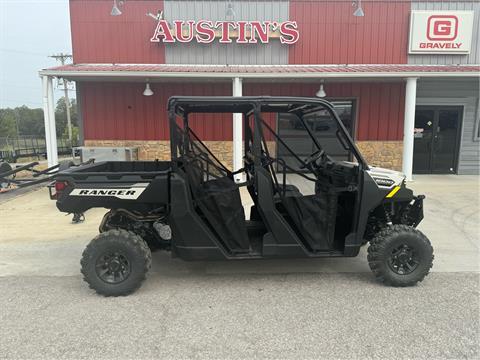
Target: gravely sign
[
  {"x": 240, "y": 32},
  {"x": 440, "y": 32}
]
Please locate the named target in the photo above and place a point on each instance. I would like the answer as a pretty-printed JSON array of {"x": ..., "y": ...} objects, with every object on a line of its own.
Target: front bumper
[{"x": 413, "y": 214}]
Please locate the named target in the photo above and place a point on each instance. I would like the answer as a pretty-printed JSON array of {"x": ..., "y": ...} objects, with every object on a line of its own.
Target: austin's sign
[
  {"x": 440, "y": 32},
  {"x": 240, "y": 32}
]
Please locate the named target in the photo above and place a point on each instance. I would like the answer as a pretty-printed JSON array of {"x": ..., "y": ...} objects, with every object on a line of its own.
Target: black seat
[
  {"x": 314, "y": 218},
  {"x": 289, "y": 191},
  {"x": 219, "y": 201}
]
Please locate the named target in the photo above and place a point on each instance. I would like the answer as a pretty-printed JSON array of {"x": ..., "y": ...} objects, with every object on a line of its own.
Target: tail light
[{"x": 59, "y": 186}]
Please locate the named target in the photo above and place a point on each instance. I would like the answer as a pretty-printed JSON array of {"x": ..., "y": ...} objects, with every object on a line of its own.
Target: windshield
[
  {"x": 304, "y": 135},
  {"x": 327, "y": 134}
]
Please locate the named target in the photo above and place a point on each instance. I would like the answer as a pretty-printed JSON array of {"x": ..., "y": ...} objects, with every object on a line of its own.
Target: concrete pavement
[
  {"x": 37, "y": 239},
  {"x": 242, "y": 316}
]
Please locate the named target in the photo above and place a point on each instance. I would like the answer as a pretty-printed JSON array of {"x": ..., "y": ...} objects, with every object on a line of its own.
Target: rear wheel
[
  {"x": 400, "y": 255},
  {"x": 115, "y": 262}
]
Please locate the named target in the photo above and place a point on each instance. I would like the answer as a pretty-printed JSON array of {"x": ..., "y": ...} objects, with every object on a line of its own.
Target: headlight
[{"x": 384, "y": 181}]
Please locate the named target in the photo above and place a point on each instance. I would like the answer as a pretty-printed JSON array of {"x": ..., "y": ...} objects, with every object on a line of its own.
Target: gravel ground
[{"x": 195, "y": 315}]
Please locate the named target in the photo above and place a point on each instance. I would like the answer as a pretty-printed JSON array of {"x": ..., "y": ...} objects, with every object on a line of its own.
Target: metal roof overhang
[{"x": 135, "y": 72}]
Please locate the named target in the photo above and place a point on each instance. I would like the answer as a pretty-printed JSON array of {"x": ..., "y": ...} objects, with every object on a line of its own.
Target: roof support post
[
  {"x": 49, "y": 120},
  {"x": 408, "y": 127},
  {"x": 237, "y": 132}
]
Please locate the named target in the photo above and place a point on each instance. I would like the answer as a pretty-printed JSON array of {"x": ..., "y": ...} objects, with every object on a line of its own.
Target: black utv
[{"x": 191, "y": 206}]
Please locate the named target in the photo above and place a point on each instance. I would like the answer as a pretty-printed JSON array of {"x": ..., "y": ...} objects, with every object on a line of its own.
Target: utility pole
[
  {"x": 62, "y": 58},
  {"x": 15, "y": 112}
]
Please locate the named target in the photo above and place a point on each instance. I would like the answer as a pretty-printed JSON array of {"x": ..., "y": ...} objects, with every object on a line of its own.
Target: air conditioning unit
[{"x": 106, "y": 153}]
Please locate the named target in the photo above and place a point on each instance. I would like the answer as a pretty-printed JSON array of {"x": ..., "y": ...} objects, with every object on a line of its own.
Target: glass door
[
  {"x": 422, "y": 140},
  {"x": 436, "y": 139}
]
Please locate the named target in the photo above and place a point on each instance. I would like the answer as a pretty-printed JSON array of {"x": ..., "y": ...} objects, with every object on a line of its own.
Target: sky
[{"x": 30, "y": 31}]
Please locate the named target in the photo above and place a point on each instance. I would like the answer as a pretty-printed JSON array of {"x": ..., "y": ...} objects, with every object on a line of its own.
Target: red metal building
[{"x": 373, "y": 66}]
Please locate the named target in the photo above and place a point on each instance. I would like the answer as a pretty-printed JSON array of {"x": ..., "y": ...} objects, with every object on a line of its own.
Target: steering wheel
[{"x": 312, "y": 159}]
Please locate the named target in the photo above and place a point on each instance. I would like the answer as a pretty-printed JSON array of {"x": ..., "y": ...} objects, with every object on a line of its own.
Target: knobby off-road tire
[
  {"x": 400, "y": 255},
  {"x": 115, "y": 262}
]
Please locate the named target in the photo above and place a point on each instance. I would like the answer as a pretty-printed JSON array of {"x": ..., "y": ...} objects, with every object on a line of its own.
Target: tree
[
  {"x": 7, "y": 123},
  {"x": 31, "y": 121},
  {"x": 61, "y": 117}
]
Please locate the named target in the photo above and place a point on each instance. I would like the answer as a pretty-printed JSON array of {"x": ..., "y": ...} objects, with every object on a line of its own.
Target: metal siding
[
  {"x": 379, "y": 116},
  {"x": 119, "y": 111},
  {"x": 330, "y": 34},
  {"x": 473, "y": 57},
  {"x": 216, "y": 53},
  {"x": 453, "y": 92},
  {"x": 98, "y": 37}
]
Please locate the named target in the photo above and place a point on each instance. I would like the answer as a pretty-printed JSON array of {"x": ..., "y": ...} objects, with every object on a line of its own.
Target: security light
[
  {"x": 116, "y": 7},
  {"x": 230, "y": 11},
  {"x": 159, "y": 16},
  {"x": 359, "y": 11},
  {"x": 321, "y": 92},
  {"x": 115, "y": 10},
  {"x": 147, "y": 91}
]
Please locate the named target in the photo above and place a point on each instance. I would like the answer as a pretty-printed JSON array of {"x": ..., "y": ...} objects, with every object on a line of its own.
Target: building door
[
  {"x": 292, "y": 132},
  {"x": 436, "y": 139}
]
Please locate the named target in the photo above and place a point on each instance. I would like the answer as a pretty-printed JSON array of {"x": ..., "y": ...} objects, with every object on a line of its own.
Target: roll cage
[
  {"x": 253, "y": 107},
  {"x": 320, "y": 223}
]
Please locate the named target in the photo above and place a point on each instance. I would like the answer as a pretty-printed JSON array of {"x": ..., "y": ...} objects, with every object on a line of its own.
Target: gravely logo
[
  {"x": 442, "y": 30},
  {"x": 240, "y": 32}
]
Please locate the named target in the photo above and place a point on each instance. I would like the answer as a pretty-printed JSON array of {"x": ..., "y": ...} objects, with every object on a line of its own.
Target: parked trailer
[
  {"x": 13, "y": 149},
  {"x": 9, "y": 180}
]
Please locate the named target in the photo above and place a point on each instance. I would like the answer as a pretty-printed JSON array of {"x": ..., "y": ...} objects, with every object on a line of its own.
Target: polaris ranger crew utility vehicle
[{"x": 191, "y": 206}]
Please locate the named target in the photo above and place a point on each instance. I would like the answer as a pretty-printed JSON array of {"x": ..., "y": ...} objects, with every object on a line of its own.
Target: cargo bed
[{"x": 136, "y": 185}]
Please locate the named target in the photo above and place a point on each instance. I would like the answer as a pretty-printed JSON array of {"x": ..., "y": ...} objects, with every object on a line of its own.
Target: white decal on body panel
[{"x": 131, "y": 192}]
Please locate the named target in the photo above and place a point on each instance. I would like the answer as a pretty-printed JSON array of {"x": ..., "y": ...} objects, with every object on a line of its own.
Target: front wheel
[
  {"x": 115, "y": 262},
  {"x": 400, "y": 255}
]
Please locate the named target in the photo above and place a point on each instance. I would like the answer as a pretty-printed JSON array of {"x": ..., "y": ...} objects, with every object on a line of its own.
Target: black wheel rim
[
  {"x": 403, "y": 260},
  {"x": 112, "y": 267}
]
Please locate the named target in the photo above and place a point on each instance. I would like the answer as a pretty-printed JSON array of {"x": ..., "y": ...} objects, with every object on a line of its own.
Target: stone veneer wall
[
  {"x": 223, "y": 150},
  {"x": 160, "y": 149},
  {"x": 387, "y": 154}
]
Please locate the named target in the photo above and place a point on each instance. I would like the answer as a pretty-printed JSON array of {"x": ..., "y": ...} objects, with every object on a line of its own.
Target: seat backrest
[
  {"x": 219, "y": 201},
  {"x": 195, "y": 173}
]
